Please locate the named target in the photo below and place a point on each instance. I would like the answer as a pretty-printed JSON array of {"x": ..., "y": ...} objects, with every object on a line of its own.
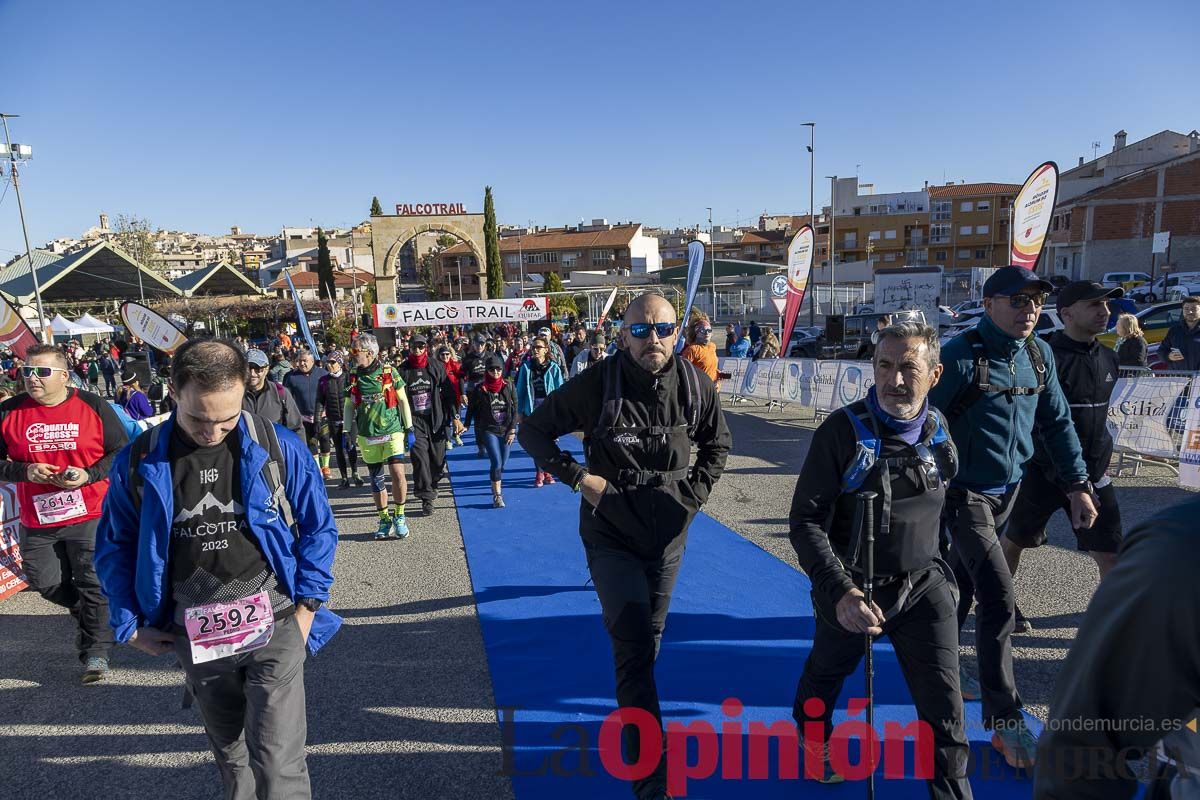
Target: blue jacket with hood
[{"x": 132, "y": 547}]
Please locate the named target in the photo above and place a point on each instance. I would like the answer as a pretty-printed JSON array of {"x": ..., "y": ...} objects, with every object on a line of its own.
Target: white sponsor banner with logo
[
  {"x": 807, "y": 382},
  {"x": 460, "y": 312},
  {"x": 1139, "y": 411},
  {"x": 1189, "y": 449},
  {"x": 12, "y": 578}
]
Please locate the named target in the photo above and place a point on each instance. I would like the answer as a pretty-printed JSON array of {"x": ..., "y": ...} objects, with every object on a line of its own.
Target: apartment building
[{"x": 968, "y": 224}]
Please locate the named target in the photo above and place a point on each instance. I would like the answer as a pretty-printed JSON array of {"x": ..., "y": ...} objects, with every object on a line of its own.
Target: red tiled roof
[
  {"x": 308, "y": 280},
  {"x": 619, "y": 236},
  {"x": 972, "y": 190}
]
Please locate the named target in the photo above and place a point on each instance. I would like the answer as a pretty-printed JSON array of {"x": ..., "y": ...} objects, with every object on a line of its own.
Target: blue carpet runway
[{"x": 740, "y": 626}]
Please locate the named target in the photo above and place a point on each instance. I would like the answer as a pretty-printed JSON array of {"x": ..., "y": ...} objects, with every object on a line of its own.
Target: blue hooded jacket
[
  {"x": 553, "y": 379},
  {"x": 132, "y": 548},
  {"x": 994, "y": 436}
]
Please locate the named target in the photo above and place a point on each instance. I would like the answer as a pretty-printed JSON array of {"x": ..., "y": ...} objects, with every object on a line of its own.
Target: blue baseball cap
[{"x": 1011, "y": 280}]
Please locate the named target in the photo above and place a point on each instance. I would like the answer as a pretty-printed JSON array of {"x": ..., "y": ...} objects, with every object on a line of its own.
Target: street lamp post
[
  {"x": 812, "y": 214},
  {"x": 832, "y": 238},
  {"x": 712, "y": 262},
  {"x": 37, "y": 288},
  {"x": 521, "y": 261}
]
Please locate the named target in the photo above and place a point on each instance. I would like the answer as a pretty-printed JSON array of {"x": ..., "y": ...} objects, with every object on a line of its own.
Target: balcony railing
[{"x": 939, "y": 240}]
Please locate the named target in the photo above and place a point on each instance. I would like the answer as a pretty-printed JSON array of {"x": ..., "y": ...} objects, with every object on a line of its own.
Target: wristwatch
[
  {"x": 1080, "y": 486},
  {"x": 311, "y": 603}
]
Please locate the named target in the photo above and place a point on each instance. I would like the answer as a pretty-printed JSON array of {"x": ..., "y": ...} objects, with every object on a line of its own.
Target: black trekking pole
[{"x": 864, "y": 514}]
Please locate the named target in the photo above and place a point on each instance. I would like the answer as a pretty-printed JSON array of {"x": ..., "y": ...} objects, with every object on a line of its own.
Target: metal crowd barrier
[{"x": 1148, "y": 412}]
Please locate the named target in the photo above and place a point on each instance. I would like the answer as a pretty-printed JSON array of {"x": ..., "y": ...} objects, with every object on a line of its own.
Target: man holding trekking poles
[{"x": 878, "y": 470}]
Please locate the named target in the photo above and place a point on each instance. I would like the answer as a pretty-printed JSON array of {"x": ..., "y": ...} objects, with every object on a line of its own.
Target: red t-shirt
[{"x": 82, "y": 431}]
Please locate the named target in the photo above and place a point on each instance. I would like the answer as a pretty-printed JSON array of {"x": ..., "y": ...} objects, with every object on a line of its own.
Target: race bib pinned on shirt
[
  {"x": 219, "y": 630},
  {"x": 57, "y": 508}
]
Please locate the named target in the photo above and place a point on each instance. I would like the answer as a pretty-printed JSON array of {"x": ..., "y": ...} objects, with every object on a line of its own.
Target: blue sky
[{"x": 199, "y": 116}]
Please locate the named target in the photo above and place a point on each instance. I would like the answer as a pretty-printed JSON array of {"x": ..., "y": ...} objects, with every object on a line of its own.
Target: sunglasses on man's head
[
  {"x": 1022, "y": 300},
  {"x": 41, "y": 372},
  {"x": 641, "y": 330}
]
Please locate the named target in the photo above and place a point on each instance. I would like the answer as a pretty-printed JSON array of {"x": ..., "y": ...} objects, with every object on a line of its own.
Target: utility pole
[
  {"x": 37, "y": 288},
  {"x": 812, "y": 213},
  {"x": 832, "y": 238},
  {"x": 712, "y": 263}
]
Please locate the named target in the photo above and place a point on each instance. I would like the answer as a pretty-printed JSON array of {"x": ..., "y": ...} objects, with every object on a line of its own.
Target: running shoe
[
  {"x": 828, "y": 775},
  {"x": 550, "y": 478},
  {"x": 358, "y": 481},
  {"x": 400, "y": 525},
  {"x": 95, "y": 669},
  {"x": 458, "y": 441},
  {"x": 345, "y": 484},
  {"x": 1022, "y": 625},
  {"x": 426, "y": 507},
  {"x": 497, "y": 501},
  {"x": 1016, "y": 743},
  {"x": 450, "y": 445},
  {"x": 326, "y": 473},
  {"x": 385, "y": 528},
  {"x": 537, "y": 482},
  {"x": 968, "y": 687}
]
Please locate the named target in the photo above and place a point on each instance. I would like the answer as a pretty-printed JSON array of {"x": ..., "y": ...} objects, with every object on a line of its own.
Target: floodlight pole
[{"x": 37, "y": 289}]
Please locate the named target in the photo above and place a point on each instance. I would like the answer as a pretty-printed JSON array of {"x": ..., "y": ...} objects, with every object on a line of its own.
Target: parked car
[
  {"x": 1161, "y": 288},
  {"x": 1184, "y": 289},
  {"x": 804, "y": 343},
  {"x": 1154, "y": 322},
  {"x": 947, "y": 316},
  {"x": 1048, "y": 322},
  {"x": 1125, "y": 280}
]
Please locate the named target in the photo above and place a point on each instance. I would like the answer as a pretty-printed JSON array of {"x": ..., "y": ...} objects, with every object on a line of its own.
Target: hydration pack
[{"x": 869, "y": 444}]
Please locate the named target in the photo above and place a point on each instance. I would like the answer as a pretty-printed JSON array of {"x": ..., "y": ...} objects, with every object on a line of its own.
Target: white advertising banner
[
  {"x": 807, "y": 382},
  {"x": 460, "y": 312},
  {"x": 1189, "y": 449},
  {"x": 1138, "y": 412},
  {"x": 151, "y": 327}
]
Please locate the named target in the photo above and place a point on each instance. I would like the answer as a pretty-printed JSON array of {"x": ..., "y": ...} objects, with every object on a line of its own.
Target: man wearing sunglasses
[
  {"x": 909, "y": 460},
  {"x": 999, "y": 382},
  {"x": 640, "y": 410},
  {"x": 56, "y": 445}
]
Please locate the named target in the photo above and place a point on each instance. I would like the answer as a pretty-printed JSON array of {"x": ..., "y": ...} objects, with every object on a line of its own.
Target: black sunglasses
[
  {"x": 641, "y": 330},
  {"x": 1022, "y": 300}
]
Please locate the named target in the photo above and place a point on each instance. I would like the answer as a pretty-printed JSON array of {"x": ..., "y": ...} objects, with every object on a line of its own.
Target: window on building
[
  {"x": 983, "y": 205},
  {"x": 939, "y": 234},
  {"x": 1067, "y": 220},
  {"x": 512, "y": 260},
  {"x": 940, "y": 255},
  {"x": 983, "y": 230},
  {"x": 963, "y": 255},
  {"x": 966, "y": 205},
  {"x": 942, "y": 210},
  {"x": 535, "y": 258},
  {"x": 851, "y": 240},
  {"x": 889, "y": 256},
  {"x": 980, "y": 254},
  {"x": 964, "y": 230},
  {"x": 552, "y": 257},
  {"x": 601, "y": 256},
  {"x": 858, "y": 211},
  {"x": 889, "y": 234},
  {"x": 1054, "y": 223},
  {"x": 874, "y": 236}
]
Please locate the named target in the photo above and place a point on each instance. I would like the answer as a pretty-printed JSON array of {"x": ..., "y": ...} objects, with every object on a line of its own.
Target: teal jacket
[{"x": 995, "y": 436}]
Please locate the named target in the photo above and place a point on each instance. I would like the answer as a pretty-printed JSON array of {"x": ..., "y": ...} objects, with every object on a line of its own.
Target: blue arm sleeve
[{"x": 116, "y": 551}]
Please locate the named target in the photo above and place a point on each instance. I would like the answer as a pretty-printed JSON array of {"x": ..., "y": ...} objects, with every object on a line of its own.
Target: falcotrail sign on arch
[{"x": 460, "y": 312}]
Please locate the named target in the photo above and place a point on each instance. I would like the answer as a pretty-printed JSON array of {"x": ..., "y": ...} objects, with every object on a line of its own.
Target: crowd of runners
[{"x": 210, "y": 536}]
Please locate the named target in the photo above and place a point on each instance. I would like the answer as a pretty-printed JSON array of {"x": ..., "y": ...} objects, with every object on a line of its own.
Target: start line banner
[{"x": 460, "y": 312}]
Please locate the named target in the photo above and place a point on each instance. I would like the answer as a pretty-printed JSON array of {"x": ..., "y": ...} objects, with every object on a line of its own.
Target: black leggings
[{"x": 347, "y": 452}]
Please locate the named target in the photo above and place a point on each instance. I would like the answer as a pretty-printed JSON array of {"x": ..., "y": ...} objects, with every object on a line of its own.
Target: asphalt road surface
[{"x": 400, "y": 703}]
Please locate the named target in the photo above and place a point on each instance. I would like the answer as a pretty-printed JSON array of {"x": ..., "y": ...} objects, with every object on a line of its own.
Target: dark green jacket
[{"x": 995, "y": 435}]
